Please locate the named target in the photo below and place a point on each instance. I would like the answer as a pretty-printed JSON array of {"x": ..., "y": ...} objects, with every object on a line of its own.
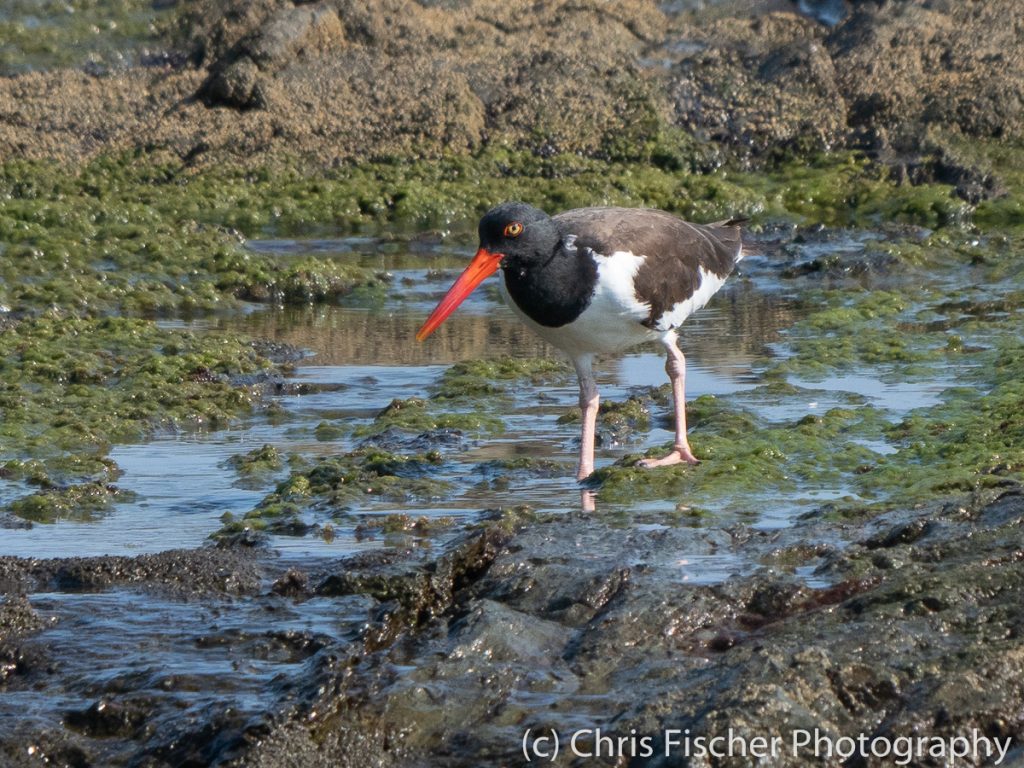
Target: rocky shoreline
[
  {"x": 579, "y": 625},
  {"x": 557, "y": 613},
  {"x": 341, "y": 82}
]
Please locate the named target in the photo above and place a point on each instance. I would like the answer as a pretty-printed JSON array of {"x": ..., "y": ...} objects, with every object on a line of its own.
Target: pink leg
[
  {"x": 589, "y": 402},
  {"x": 675, "y": 365}
]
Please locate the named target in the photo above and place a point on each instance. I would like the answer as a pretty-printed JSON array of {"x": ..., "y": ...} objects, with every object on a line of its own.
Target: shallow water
[
  {"x": 216, "y": 662},
  {"x": 361, "y": 356},
  {"x": 200, "y": 660}
]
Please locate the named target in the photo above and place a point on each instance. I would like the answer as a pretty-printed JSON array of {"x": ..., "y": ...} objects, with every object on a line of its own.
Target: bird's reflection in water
[{"x": 588, "y": 500}]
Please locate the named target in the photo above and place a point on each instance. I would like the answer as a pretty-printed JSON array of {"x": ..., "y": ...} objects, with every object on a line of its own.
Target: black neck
[{"x": 552, "y": 289}]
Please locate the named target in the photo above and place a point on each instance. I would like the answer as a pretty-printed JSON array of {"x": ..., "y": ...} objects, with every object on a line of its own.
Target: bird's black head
[
  {"x": 511, "y": 235},
  {"x": 518, "y": 231}
]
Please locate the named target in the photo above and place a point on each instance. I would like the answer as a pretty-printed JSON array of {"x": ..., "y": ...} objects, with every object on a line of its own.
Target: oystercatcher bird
[{"x": 596, "y": 280}]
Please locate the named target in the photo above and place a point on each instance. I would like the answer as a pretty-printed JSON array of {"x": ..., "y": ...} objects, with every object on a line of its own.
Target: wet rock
[
  {"x": 218, "y": 735},
  {"x": 505, "y": 474},
  {"x": 1007, "y": 508},
  {"x": 510, "y": 641},
  {"x": 54, "y": 748},
  {"x": 9, "y": 521},
  {"x": 293, "y": 583},
  {"x": 283, "y": 647},
  {"x": 106, "y": 719},
  {"x": 20, "y": 660},
  {"x": 188, "y": 571},
  {"x": 840, "y": 264},
  {"x": 602, "y": 623},
  {"x": 443, "y": 440},
  {"x": 759, "y": 85},
  {"x": 761, "y": 653},
  {"x": 17, "y": 617},
  {"x": 834, "y": 254},
  {"x": 905, "y": 533},
  {"x": 416, "y": 592},
  {"x": 903, "y": 64},
  {"x": 241, "y": 77},
  {"x": 278, "y": 352},
  {"x": 244, "y": 539}
]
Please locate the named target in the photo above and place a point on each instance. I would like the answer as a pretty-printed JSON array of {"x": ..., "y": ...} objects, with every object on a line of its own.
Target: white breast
[{"x": 613, "y": 319}]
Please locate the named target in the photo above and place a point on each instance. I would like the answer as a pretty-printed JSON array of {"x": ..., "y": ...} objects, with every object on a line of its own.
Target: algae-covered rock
[
  {"x": 423, "y": 417},
  {"x": 332, "y": 487},
  {"x": 760, "y": 85},
  {"x": 761, "y": 653},
  {"x": 81, "y": 502},
  {"x": 483, "y": 378},
  {"x": 906, "y": 64},
  {"x": 257, "y": 461},
  {"x": 339, "y": 81},
  {"x": 74, "y": 387},
  {"x": 258, "y": 467},
  {"x": 238, "y": 79}
]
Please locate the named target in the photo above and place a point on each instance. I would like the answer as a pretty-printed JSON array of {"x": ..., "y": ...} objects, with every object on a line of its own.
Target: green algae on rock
[
  {"x": 471, "y": 379},
  {"x": 333, "y": 487},
  {"x": 939, "y": 588},
  {"x": 418, "y": 415},
  {"x": 72, "y": 387},
  {"x": 257, "y": 461},
  {"x": 80, "y": 502},
  {"x": 458, "y": 400},
  {"x": 126, "y": 235},
  {"x": 90, "y": 382},
  {"x": 973, "y": 440},
  {"x": 43, "y": 34},
  {"x": 257, "y": 468},
  {"x": 131, "y": 235},
  {"x": 398, "y": 525},
  {"x": 943, "y": 327},
  {"x": 122, "y": 235},
  {"x": 59, "y": 470},
  {"x": 744, "y": 458}
]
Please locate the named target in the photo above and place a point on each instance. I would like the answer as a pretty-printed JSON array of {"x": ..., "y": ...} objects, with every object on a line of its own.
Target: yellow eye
[{"x": 513, "y": 229}]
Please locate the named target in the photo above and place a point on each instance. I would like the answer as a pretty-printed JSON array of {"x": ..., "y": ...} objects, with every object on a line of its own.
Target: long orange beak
[{"x": 483, "y": 265}]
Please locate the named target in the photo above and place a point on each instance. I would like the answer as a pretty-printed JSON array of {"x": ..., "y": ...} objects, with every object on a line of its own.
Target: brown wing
[{"x": 675, "y": 250}]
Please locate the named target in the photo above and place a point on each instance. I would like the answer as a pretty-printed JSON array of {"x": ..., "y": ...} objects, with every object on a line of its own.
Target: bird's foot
[{"x": 680, "y": 455}]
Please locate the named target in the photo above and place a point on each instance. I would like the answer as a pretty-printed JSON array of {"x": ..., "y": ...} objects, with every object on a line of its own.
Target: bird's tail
[
  {"x": 735, "y": 221},
  {"x": 729, "y": 234}
]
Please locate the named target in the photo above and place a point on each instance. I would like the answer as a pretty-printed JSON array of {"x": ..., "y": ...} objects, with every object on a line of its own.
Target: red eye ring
[{"x": 514, "y": 229}]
